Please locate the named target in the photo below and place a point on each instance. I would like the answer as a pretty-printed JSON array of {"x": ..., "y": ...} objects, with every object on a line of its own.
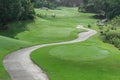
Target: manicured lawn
[
  {"x": 88, "y": 60},
  {"x": 79, "y": 52},
  {"x": 41, "y": 30}
]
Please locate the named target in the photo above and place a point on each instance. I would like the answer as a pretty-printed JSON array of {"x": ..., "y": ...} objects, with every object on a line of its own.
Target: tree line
[
  {"x": 108, "y": 11},
  {"x": 108, "y": 8},
  {"x": 54, "y": 3},
  {"x": 12, "y": 10},
  {"x": 45, "y": 3}
]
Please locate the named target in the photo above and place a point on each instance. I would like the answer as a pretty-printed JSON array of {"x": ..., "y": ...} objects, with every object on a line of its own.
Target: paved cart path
[{"x": 20, "y": 66}]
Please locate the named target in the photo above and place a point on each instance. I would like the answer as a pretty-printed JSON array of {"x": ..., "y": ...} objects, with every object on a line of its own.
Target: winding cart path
[{"x": 20, "y": 66}]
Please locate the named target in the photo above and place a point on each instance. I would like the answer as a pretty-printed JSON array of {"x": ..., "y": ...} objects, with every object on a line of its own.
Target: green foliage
[
  {"x": 111, "y": 32},
  {"x": 45, "y": 3},
  {"x": 27, "y": 10},
  {"x": 113, "y": 9},
  {"x": 85, "y": 2},
  {"x": 52, "y": 4},
  {"x": 11, "y": 10},
  {"x": 107, "y": 8},
  {"x": 86, "y": 6},
  {"x": 113, "y": 38},
  {"x": 89, "y": 26}
]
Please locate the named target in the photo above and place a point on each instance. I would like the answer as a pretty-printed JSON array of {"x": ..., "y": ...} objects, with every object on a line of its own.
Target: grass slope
[
  {"x": 88, "y": 60},
  {"x": 8, "y": 45},
  {"x": 49, "y": 29}
]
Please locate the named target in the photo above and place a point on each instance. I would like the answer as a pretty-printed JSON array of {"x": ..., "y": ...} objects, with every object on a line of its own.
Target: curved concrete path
[{"x": 20, "y": 66}]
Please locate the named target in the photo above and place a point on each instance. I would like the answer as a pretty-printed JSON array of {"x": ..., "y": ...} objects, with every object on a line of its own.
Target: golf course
[{"x": 57, "y": 46}]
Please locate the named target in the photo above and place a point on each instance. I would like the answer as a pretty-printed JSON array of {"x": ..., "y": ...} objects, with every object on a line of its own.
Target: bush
[
  {"x": 90, "y": 8},
  {"x": 113, "y": 38},
  {"x": 89, "y": 26}
]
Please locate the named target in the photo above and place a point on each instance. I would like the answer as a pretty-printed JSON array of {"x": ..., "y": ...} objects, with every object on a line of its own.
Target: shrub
[
  {"x": 113, "y": 38},
  {"x": 89, "y": 26}
]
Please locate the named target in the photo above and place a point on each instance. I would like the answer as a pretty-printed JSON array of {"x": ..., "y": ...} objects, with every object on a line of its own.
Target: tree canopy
[
  {"x": 11, "y": 10},
  {"x": 110, "y": 8},
  {"x": 54, "y": 3}
]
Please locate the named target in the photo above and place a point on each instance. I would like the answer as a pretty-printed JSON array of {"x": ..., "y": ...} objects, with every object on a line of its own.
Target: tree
[
  {"x": 44, "y": 3},
  {"x": 110, "y": 8},
  {"x": 11, "y": 10},
  {"x": 27, "y": 10},
  {"x": 85, "y": 2}
]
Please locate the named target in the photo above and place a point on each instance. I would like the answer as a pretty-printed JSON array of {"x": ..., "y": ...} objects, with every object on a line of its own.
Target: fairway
[
  {"x": 87, "y": 60},
  {"x": 41, "y": 30},
  {"x": 22, "y": 59},
  {"x": 59, "y": 39}
]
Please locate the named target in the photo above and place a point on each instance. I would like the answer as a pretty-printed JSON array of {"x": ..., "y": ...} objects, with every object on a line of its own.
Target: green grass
[
  {"x": 79, "y": 52},
  {"x": 41, "y": 30},
  {"x": 88, "y": 60}
]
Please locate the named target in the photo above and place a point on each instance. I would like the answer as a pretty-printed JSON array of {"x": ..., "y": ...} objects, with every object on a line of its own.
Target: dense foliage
[
  {"x": 11, "y": 10},
  {"x": 108, "y": 8},
  {"x": 70, "y": 3},
  {"x": 113, "y": 38},
  {"x": 45, "y": 3},
  {"x": 111, "y": 32},
  {"x": 54, "y": 3}
]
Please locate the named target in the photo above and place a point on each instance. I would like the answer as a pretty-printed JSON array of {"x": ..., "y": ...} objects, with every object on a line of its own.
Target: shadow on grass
[{"x": 16, "y": 27}]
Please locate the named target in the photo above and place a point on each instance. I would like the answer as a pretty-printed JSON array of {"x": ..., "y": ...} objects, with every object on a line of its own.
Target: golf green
[{"x": 79, "y": 53}]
